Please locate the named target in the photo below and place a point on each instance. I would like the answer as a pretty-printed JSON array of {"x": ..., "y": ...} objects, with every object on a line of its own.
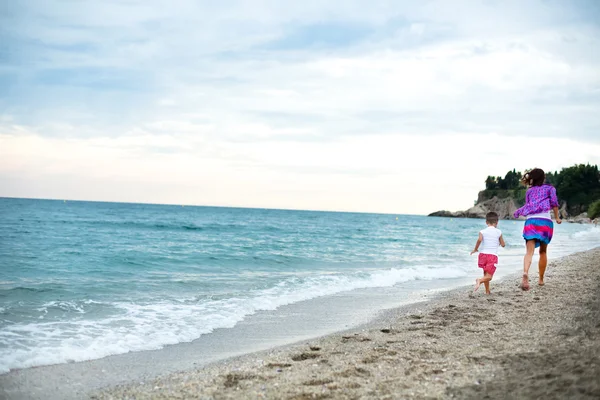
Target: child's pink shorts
[{"x": 488, "y": 262}]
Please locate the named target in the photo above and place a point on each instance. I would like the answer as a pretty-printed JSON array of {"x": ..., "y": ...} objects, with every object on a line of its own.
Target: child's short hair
[
  {"x": 491, "y": 218},
  {"x": 535, "y": 177}
]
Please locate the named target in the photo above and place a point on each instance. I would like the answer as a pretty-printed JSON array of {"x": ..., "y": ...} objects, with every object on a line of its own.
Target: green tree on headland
[
  {"x": 594, "y": 210},
  {"x": 551, "y": 178},
  {"x": 579, "y": 186},
  {"x": 510, "y": 181}
]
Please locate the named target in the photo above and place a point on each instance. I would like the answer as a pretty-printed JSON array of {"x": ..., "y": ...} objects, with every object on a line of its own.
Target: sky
[{"x": 370, "y": 106}]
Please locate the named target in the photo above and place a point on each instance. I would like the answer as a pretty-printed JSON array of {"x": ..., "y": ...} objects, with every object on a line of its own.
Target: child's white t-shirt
[{"x": 491, "y": 240}]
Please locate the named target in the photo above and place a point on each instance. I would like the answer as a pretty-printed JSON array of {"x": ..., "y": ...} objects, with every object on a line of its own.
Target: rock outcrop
[
  {"x": 444, "y": 213},
  {"x": 562, "y": 211},
  {"x": 503, "y": 207},
  {"x": 581, "y": 219}
]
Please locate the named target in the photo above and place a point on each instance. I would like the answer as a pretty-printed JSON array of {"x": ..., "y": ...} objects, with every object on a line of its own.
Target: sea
[{"x": 85, "y": 280}]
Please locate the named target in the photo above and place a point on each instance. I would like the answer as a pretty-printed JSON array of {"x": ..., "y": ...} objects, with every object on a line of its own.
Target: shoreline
[
  {"x": 543, "y": 343},
  {"x": 255, "y": 374},
  {"x": 263, "y": 332}
]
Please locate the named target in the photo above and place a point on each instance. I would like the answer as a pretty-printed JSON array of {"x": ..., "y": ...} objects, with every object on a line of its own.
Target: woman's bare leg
[
  {"x": 543, "y": 262},
  {"x": 530, "y": 245}
]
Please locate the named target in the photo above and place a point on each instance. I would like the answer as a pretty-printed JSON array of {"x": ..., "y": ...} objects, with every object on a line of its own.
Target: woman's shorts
[{"x": 538, "y": 229}]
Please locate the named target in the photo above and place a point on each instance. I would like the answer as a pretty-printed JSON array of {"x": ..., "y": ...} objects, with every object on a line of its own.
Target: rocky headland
[{"x": 504, "y": 207}]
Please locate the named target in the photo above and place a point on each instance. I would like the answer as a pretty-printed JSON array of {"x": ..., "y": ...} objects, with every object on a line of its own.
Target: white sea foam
[
  {"x": 587, "y": 234},
  {"x": 152, "y": 326}
]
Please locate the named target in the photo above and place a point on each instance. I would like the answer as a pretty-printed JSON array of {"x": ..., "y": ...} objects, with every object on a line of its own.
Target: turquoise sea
[{"x": 84, "y": 280}]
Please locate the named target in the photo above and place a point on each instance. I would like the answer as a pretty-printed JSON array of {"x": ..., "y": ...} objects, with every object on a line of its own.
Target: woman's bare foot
[
  {"x": 477, "y": 283},
  {"x": 525, "y": 283}
]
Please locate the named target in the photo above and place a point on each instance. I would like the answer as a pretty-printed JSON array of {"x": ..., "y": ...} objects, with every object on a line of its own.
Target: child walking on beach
[
  {"x": 537, "y": 232},
  {"x": 489, "y": 239}
]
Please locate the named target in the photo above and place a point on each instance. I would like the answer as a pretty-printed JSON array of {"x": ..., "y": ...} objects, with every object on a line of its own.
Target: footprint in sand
[
  {"x": 357, "y": 372},
  {"x": 317, "y": 382},
  {"x": 355, "y": 338},
  {"x": 304, "y": 356},
  {"x": 278, "y": 365},
  {"x": 370, "y": 360},
  {"x": 234, "y": 379}
]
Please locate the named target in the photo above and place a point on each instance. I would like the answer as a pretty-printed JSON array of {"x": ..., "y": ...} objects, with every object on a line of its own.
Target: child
[
  {"x": 537, "y": 232},
  {"x": 489, "y": 239}
]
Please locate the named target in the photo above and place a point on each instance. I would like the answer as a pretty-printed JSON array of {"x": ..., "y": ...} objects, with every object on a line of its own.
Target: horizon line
[{"x": 199, "y": 205}]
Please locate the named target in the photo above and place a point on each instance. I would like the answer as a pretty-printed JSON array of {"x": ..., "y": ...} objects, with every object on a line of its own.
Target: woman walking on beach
[{"x": 540, "y": 199}]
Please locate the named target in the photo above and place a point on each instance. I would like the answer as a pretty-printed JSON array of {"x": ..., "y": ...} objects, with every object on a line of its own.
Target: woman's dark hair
[{"x": 535, "y": 177}]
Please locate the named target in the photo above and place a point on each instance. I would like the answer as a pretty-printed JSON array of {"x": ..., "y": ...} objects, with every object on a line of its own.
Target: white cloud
[{"x": 389, "y": 173}]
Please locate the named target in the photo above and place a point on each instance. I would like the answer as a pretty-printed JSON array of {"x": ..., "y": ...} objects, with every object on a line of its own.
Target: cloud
[
  {"x": 271, "y": 92},
  {"x": 381, "y": 173}
]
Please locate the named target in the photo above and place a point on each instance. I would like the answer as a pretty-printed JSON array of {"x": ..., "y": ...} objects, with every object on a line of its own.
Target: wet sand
[{"x": 544, "y": 343}]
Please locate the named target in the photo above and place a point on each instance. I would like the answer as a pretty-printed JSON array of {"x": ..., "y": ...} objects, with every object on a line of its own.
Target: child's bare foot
[
  {"x": 541, "y": 282},
  {"x": 477, "y": 283},
  {"x": 525, "y": 283},
  {"x": 488, "y": 292}
]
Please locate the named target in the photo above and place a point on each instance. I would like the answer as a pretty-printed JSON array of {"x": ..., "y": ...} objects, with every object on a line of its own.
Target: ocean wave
[
  {"x": 215, "y": 227},
  {"x": 151, "y": 326},
  {"x": 73, "y": 306},
  {"x": 591, "y": 233},
  {"x": 11, "y": 291}
]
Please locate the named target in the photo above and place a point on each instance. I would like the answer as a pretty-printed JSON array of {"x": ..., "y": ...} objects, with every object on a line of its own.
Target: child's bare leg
[
  {"x": 530, "y": 245},
  {"x": 486, "y": 278},
  {"x": 543, "y": 262},
  {"x": 487, "y": 287}
]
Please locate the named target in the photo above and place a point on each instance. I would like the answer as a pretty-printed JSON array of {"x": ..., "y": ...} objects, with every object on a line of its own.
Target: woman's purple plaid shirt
[{"x": 538, "y": 199}]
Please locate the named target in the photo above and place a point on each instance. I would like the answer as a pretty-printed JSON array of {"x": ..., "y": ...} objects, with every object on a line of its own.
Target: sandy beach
[{"x": 544, "y": 343}]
